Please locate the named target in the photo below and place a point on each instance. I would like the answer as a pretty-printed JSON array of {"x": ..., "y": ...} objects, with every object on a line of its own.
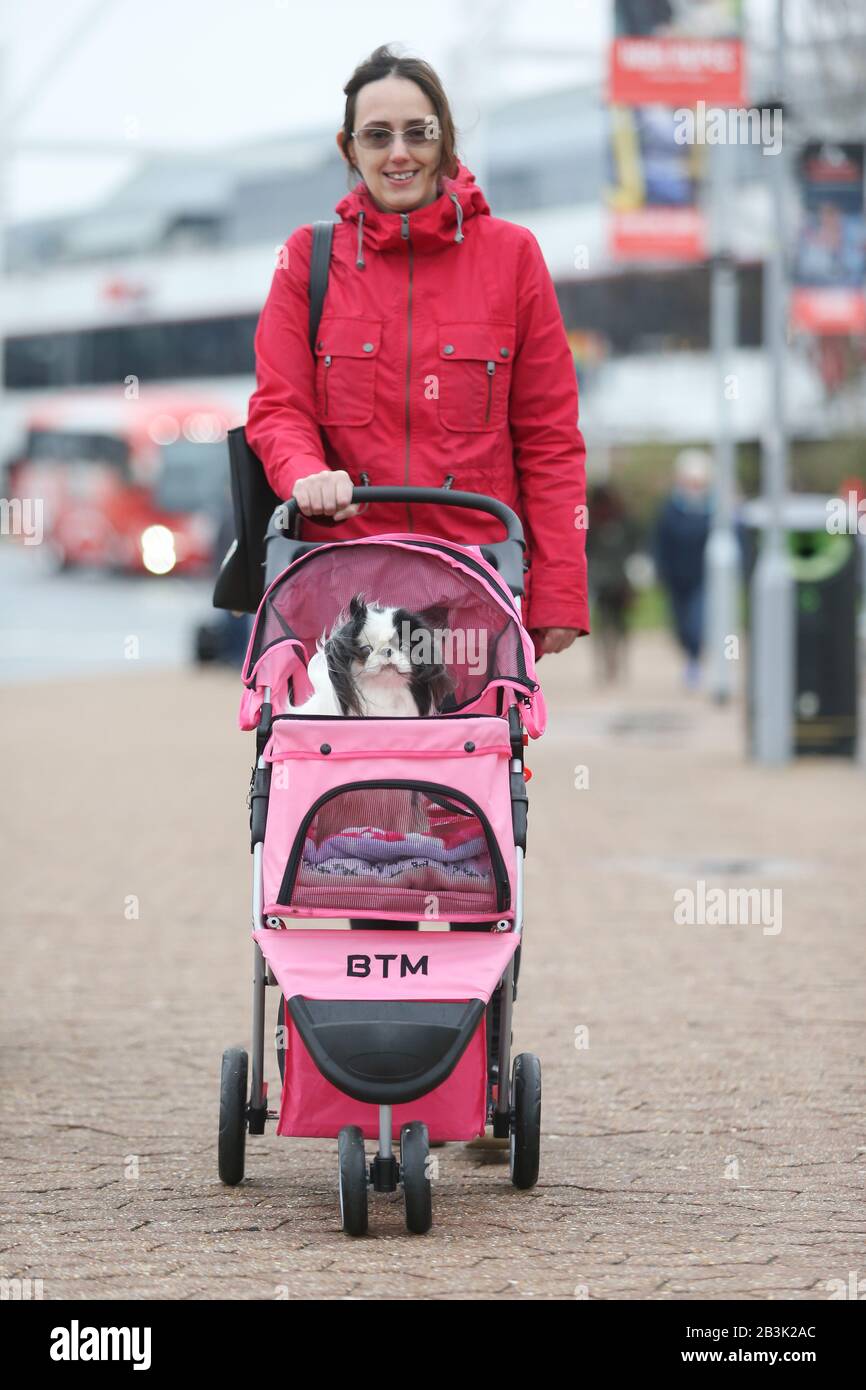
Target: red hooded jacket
[{"x": 441, "y": 350}]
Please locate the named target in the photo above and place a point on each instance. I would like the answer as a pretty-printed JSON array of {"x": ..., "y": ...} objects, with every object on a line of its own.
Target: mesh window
[
  {"x": 394, "y": 849},
  {"x": 475, "y": 638}
]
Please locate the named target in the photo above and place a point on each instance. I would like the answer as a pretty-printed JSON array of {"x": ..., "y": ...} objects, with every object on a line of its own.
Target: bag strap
[{"x": 320, "y": 265}]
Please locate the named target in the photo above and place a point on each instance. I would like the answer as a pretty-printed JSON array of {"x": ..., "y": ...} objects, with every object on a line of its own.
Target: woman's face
[{"x": 402, "y": 177}]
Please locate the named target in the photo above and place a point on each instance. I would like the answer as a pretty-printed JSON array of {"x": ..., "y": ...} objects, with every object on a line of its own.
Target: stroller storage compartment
[
  {"x": 393, "y": 1018},
  {"x": 436, "y": 844}
]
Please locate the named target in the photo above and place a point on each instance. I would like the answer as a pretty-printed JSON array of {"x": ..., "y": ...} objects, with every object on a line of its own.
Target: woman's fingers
[
  {"x": 343, "y": 487},
  {"x": 552, "y": 639},
  {"x": 328, "y": 493}
]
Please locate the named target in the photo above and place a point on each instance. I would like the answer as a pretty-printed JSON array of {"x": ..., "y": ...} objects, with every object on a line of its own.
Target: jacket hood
[{"x": 440, "y": 223}]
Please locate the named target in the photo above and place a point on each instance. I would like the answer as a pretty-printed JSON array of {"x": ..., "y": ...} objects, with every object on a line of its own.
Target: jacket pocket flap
[
  {"x": 345, "y": 337},
  {"x": 490, "y": 342}
]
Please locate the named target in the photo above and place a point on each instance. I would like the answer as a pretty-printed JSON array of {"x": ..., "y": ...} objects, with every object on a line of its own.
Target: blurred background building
[{"x": 163, "y": 279}]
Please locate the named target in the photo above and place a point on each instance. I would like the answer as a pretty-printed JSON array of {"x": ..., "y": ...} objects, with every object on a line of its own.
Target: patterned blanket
[{"x": 412, "y": 861}]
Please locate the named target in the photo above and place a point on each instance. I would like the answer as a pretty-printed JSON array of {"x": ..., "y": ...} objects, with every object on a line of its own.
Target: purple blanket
[{"x": 375, "y": 846}]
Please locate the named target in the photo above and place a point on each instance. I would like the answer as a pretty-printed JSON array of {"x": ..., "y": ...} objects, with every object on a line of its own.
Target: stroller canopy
[{"x": 452, "y": 588}]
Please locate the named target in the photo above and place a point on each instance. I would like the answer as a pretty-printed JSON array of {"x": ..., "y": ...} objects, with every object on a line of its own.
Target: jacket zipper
[
  {"x": 327, "y": 365},
  {"x": 404, "y": 232},
  {"x": 503, "y": 890},
  {"x": 491, "y": 368}
]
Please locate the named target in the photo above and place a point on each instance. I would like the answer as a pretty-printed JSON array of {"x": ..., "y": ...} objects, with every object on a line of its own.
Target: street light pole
[
  {"x": 773, "y": 638},
  {"x": 722, "y": 557}
]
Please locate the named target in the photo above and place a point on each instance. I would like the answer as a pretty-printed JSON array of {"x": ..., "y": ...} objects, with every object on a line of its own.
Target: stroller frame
[{"x": 239, "y": 1115}]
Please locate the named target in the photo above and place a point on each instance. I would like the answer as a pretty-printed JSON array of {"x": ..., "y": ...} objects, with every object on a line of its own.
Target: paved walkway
[{"x": 708, "y": 1141}]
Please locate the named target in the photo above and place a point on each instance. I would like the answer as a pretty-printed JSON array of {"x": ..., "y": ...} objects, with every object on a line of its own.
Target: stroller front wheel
[
  {"x": 415, "y": 1176},
  {"x": 233, "y": 1117},
  {"x": 353, "y": 1181},
  {"x": 525, "y": 1120}
]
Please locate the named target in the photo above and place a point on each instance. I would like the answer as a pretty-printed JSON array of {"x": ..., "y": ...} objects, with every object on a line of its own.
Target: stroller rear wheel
[
  {"x": 353, "y": 1181},
  {"x": 233, "y": 1115},
  {"x": 414, "y": 1174},
  {"x": 525, "y": 1120}
]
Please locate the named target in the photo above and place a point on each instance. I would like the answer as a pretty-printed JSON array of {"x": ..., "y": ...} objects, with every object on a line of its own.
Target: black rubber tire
[
  {"x": 353, "y": 1181},
  {"x": 281, "y": 1051},
  {"x": 417, "y": 1190},
  {"x": 233, "y": 1115},
  {"x": 525, "y": 1153}
]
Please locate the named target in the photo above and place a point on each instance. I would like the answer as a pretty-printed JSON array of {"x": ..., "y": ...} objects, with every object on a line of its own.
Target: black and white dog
[{"x": 377, "y": 661}]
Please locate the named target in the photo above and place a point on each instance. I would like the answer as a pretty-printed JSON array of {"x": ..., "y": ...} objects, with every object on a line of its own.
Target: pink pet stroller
[{"x": 387, "y": 1034}]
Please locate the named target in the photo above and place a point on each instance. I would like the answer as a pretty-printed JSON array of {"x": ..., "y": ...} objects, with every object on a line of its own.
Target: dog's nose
[{"x": 386, "y": 651}]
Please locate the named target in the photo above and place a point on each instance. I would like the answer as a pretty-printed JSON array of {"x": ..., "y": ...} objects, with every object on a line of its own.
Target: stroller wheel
[
  {"x": 280, "y": 1037},
  {"x": 414, "y": 1153},
  {"x": 353, "y": 1181},
  {"x": 525, "y": 1120},
  {"x": 233, "y": 1117}
]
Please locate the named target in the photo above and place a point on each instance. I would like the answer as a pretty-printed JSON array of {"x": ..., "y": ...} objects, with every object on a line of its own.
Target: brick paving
[{"x": 708, "y": 1141}]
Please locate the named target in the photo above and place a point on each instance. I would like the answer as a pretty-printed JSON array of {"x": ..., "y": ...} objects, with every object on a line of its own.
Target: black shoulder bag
[{"x": 240, "y": 582}]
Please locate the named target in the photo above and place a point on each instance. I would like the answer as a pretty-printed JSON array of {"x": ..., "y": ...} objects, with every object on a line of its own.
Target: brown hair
[{"x": 384, "y": 62}]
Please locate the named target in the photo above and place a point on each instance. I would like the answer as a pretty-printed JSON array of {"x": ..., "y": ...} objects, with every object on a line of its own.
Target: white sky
[
  {"x": 201, "y": 74},
  {"x": 205, "y": 73}
]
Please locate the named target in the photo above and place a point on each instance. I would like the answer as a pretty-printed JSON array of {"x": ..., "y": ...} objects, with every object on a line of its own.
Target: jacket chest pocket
[
  {"x": 475, "y": 361},
  {"x": 346, "y": 353}
]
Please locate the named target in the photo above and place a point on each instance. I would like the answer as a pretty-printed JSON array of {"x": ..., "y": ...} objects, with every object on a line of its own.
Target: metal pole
[
  {"x": 722, "y": 556},
  {"x": 773, "y": 640}
]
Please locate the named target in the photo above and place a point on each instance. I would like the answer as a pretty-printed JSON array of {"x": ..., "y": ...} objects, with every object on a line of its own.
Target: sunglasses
[{"x": 375, "y": 137}]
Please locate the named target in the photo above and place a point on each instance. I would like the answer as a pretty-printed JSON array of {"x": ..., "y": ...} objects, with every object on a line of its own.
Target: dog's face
[
  {"x": 379, "y": 639},
  {"x": 378, "y": 643}
]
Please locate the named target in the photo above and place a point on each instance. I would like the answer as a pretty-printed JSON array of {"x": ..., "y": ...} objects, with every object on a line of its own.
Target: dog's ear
[
  {"x": 357, "y": 605},
  {"x": 435, "y": 617}
]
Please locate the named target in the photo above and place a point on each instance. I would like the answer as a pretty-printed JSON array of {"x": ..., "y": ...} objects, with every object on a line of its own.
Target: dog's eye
[{"x": 364, "y": 650}]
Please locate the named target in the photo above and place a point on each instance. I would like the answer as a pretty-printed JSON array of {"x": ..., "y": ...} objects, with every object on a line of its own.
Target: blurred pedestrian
[
  {"x": 681, "y": 532},
  {"x": 610, "y": 541}
]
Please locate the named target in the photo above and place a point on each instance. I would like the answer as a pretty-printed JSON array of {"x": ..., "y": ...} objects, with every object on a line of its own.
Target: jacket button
[
  {"x": 368, "y": 347},
  {"x": 448, "y": 348},
  {"x": 470, "y": 747},
  {"x": 503, "y": 352},
  {"x": 325, "y": 748}
]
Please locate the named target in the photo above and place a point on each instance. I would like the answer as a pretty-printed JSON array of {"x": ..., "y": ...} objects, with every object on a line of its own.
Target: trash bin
[{"x": 826, "y": 572}]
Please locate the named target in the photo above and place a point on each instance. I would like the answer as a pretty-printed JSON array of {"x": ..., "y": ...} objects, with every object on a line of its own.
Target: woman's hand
[
  {"x": 552, "y": 639},
  {"x": 326, "y": 494}
]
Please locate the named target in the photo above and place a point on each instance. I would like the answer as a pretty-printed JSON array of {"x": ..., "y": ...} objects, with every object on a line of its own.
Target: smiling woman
[
  {"x": 440, "y": 353},
  {"x": 398, "y": 134}
]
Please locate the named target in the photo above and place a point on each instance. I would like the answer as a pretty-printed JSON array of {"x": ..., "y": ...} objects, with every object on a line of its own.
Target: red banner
[
  {"x": 658, "y": 234},
  {"x": 676, "y": 72},
  {"x": 828, "y": 311}
]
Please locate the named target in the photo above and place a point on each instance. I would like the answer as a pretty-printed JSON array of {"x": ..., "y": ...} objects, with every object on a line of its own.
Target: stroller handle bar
[
  {"x": 506, "y": 556},
  {"x": 472, "y": 501}
]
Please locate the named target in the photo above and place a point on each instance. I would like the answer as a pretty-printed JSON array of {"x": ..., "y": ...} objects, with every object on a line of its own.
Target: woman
[{"x": 440, "y": 354}]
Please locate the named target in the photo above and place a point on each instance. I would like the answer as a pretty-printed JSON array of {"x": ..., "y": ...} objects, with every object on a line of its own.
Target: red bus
[{"x": 136, "y": 486}]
